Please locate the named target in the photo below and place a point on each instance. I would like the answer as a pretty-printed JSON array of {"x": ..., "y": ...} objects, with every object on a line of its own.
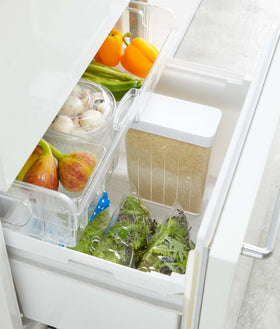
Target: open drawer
[
  {"x": 46, "y": 273},
  {"x": 82, "y": 291},
  {"x": 164, "y": 301}
]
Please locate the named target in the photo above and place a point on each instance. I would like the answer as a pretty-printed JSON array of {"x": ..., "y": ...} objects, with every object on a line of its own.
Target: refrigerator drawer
[
  {"x": 67, "y": 302},
  {"x": 101, "y": 281}
]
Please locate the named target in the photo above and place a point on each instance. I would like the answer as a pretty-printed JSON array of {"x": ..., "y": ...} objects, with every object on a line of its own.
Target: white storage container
[{"x": 168, "y": 151}]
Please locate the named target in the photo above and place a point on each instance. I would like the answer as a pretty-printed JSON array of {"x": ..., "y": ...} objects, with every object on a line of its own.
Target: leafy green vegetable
[
  {"x": 128, "y": 234},
  {"x": 132, "y": 238},
  {"x": 93, "y": 233},
  {"x": 168, "y": 251}
]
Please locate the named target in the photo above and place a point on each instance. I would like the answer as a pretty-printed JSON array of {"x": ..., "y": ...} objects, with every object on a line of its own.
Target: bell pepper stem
[{"x": 125, "y": 36}]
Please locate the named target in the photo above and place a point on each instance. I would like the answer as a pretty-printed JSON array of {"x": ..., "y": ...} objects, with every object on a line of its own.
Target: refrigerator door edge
[{"x": 235, "y": 216}]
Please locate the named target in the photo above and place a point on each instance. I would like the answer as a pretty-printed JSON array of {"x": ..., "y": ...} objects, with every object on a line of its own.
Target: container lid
[
  {"x": 45, "y": 47},
  {"x": 179, "y": 119}
]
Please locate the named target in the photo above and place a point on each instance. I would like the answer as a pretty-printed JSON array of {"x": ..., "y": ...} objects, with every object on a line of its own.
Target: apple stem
[{"x": 59, "y": 155}]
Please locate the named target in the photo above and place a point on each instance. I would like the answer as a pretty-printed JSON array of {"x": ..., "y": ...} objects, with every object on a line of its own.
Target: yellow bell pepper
[
  {"x": 111, "y": 50},
  {"x": 138, "y": 56}
]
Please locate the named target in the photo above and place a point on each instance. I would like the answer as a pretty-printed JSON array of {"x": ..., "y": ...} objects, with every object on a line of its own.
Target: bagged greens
[
  {"x": 93, "y": 233},
  {"x": 168, "y": 251},
  {"x": 128, "y": 235},
  {"x": 132, "y": 238}
]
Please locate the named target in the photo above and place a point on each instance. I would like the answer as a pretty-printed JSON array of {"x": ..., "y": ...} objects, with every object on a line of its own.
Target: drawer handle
[{"x": 261, "y": 253}]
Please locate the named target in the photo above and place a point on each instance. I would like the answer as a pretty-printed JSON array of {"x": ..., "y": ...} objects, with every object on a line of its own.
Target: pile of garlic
[{"x": 85, "y": 110}]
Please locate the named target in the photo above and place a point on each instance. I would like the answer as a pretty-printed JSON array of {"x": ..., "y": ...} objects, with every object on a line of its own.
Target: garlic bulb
[
  {"x": 91, "y": 119},
  {"x": 72, "y": 106},
  {"x": 63, "y": 123}
]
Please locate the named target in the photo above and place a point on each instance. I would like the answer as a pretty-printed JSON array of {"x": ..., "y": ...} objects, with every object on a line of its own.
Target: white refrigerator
[{"x": 47, "y": 45}]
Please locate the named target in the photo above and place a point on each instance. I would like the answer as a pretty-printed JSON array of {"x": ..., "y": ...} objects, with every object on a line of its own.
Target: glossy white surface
[
  {"x": 45, "y": 47},
  {"x": 240, "y": 202}
]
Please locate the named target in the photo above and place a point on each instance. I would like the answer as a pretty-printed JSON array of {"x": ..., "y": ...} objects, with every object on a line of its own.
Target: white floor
[{"x": 231, "y": 35}]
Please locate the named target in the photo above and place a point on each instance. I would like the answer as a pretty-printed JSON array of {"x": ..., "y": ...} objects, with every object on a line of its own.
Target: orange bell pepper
[
  {"x": 111, "y": 50},
  {"x": 138, "y": 56}
]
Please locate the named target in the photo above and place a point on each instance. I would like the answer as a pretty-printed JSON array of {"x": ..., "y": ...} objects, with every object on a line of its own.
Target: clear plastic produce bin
[
  {"x": 56, "y": 216},
  {"x": 88, "y": 112}
]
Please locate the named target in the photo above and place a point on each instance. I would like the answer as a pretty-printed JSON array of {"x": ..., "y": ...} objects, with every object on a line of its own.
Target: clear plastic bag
[
  {"x": 169, "y": 248},
  {"x": 128, "y": 235},
  {"x": 93, "y": 233}
]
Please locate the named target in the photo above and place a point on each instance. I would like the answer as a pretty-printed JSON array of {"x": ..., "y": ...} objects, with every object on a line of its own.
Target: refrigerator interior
[{"x": 48, "y": 274}]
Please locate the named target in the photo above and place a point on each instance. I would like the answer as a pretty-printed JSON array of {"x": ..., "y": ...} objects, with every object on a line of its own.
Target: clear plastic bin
[
  {"x": 88, "y": 112},
  {"x": 56, "y": 216}
]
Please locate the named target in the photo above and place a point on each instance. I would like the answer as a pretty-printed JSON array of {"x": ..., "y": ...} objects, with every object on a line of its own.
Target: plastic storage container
[
  {"x": 168, "y": 151},
  {"x": 87, "y": 112},
  {"x": 55, "y": 216}
]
